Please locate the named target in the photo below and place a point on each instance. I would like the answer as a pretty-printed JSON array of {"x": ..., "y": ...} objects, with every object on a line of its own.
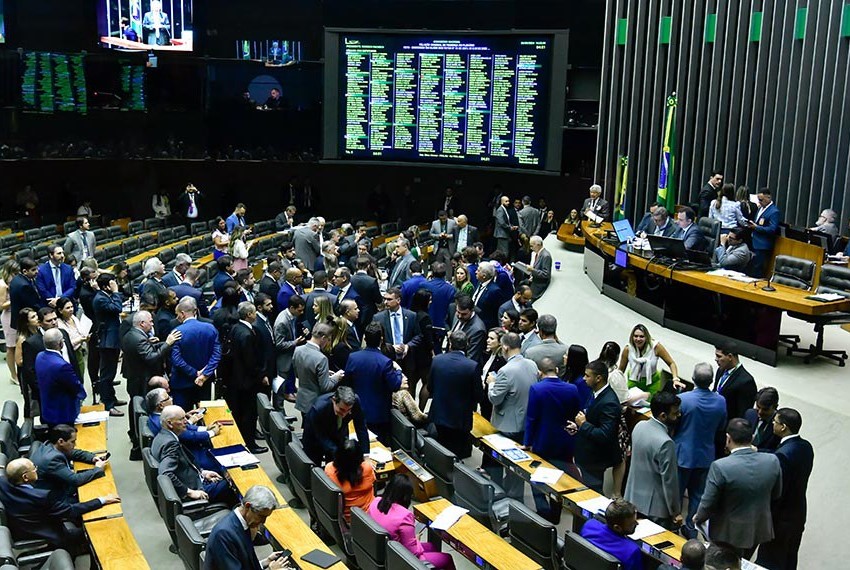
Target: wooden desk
[
  {"x": 566, "y": 235},
  {"x": 229, "y": 435},
  {"x": 92, "y": 438},
  {"x": 98, "y": 488},
  {"x": 475, "y": 541},
  {"x": 285, "y": 524},
  {"x": 389, "y": 467},
  {"x": 142, "y": 257},
  {"x": 114, "y": 545}
]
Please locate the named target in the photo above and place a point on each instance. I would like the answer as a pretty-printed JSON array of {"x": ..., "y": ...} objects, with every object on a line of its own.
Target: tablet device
[{"x": 320, "y": 559}]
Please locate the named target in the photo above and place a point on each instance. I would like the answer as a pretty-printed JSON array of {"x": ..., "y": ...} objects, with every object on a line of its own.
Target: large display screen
[
  {"x": 146, "y": 24},
  {"x": 443, "y": 97},
  {"x": 2, "y": 24},
  {"x": 53, "y": 82}
]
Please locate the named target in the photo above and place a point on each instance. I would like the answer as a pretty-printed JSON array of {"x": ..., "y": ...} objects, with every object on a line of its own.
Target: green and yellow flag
[
  {"x": 666, "y": 183},
  {"x": 620, "y": 188}
]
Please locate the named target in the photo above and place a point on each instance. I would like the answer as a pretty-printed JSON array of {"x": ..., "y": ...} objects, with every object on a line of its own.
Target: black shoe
[
  {"x": 120, "y": 403},
  {"x": 135, "y": 455},
  {"x": 116, "y": 382},
  {"x": 259, "y": 435},
  {"x": 259, "y": 449}
]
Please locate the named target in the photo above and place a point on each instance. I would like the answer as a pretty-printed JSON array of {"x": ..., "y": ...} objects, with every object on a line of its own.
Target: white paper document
[
  {"x": 646, "y": 527},
  {"x": 546, "y": 475},
  {"x": 516, "y": 455},
  {"x": 500, "y": 442},
  {"x": 212, "y": 404},
  {"x": 827, "y": 297},
  {"x": 238, "y": 459},
  {"x": 448, "y": 517},
  {"x": 595, "y": 505},
  {"x": 747, "y": 565},
  {"x": 92, "y": 417},
  {"x": 380, "y": 455},
  {"x": 372, "y": 436}
]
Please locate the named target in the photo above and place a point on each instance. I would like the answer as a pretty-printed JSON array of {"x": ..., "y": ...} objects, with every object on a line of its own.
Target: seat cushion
[{"x": 206, "y": 524}]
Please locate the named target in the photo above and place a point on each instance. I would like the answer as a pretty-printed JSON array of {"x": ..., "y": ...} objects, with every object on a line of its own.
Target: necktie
[
  {"x": 57, "y": 278},
  {"x": 723, "y": 380},
  {"x": 340, "y": 295},
  {"x": 85, "y": 245},
  {"x": 477, "y": 295},
  {"x": 191, "y": 204},
  {"x": 397, "y": 337}
]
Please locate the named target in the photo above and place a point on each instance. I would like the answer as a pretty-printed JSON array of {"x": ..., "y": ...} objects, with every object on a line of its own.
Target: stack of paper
[
  {"x": 92, "y": 417},
  {"x": 646, "y": 527},
  {"x": 380, "y": 455},
  {"x": 238, "y": 459},
  {"x": 448, "y": 517},
  {"x": 500, "y": 442},
  {"x": 595, "y": 505},
  {"x": 516, "y": 455},
  {"x": 372, "y": 436},
  {"x": 546, "y": 475}
]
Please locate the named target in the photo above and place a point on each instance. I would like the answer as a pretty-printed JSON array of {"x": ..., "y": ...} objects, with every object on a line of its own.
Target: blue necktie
[
  {"x": 723, "y": 380},
  {"x": 397, "y": 338}
]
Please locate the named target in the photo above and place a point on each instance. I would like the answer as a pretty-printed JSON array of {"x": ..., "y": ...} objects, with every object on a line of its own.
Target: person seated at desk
[
  {"x": 688, "y": 231},
  {"x": 230, "y": 545},
  {"x": 53, "y": 460},
  {"x": 612, "y": 535},
  {"x": 660, "y": 224},
  {"x": 392, "y": 512},
  {"x": 33, "y": 515},
  {"x": 326, "y": 424},
  {"x": 274, "y": 101},
  {"x": 127, "y": 32},
  {"x": 736, "y": 255},
  {"x": 196, "y": 439},
  {"x": 826, "y": 223},
  {"x": 646, "y": 224},
  {"x": 354, "y": 475},
  {"x": 190, "y": 481},
  {"x": 693, "y": 557}
]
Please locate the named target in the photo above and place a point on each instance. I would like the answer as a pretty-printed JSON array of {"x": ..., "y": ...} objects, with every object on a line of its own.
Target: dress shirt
[
  {"x": 477, "y": 294},
  {"x": 725, "y": 376},
  {"x": 193, "y": 210},
  {"x": 462, "y": 237},
  {"x": 63, "y": 353},
  {"x": 249, "y": 295},
  {"x": 239, "y": 516},
  {"x": 659, "y": 230},
  {"x": 343, "y": 292},
  {"x": 781, "y": 441},
  {"x": 397, "y": 324},
  {"x": 57, "y": 278}
]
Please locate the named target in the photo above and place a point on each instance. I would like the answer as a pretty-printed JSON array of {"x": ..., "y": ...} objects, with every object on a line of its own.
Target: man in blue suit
[
  {"x": 764, "y": 228},
  {"x": 702, "y": 422},
  {"x": 23, "y": 291},
  {"x": 187, "y": 288},
  {"x": 55, "y": 278},
  {"x": 290, "y": 286},
  {"x": 400, "y": 326},
  {"x": 236, "y": 219},
  {"x": 688, "y": 230},
  {"x": 61, "y": 390},
  {"x": 416, "y": 282},
  {"x": 230, "y": 545},
  {"x": 182, "y": 263},
  {"x": 455, "y": 387},
  {"x": 374, "y": 378},
  {"x": 488, "y": 296},
  {"x": 442, "y": 295},
  {"x": 551, "y": 404},
  {"x": 198, "y": 440},
  {"x": 344, "y": 289},
  {"x": 225, "y": 274},
  {"x": 107, "y": 305},
  {"x": 326, "y": 424},
  {"x": 194, "y": 358}
]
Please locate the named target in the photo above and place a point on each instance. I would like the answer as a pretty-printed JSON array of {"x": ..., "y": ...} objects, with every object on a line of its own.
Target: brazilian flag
[
  {"x": 620, "y": 188},
  {"x": 666, "y": 183}
]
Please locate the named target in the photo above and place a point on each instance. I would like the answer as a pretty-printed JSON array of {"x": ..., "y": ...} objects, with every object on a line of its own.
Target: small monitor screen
[
  {"x": 621, "y": 258},
  {"x": 145, "y": 24},
  {"x": 624, "y": 230},
  {"x": 271, "y": 52}
]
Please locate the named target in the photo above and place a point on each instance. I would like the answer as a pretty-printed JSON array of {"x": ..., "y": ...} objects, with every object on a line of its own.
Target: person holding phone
[{"x": 53, "y": 460}]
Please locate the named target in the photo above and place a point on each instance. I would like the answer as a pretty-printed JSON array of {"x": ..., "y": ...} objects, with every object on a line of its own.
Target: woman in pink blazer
[{"x": 392, "y": 511}]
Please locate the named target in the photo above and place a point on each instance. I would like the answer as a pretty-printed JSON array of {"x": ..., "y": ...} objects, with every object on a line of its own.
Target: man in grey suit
[
  {"x": 549, "y": 345},
  {"x": 529, "y": 218},
  {"x": 735, "y": 255},
  {"x": 463, "y": 318},
  {"x": 54, "y": 458},
  {"x": 596, "y": 204},
  {"x": 464, "y": 234},
  {"x": 311, "y": 369},
  {"x": 653, "y": 483},
  {"x": 507, "y": 390},
  {"x": 503, "y": 228},
  {"x": 738, "y": 492},
  {"x": 443, "y": 232},
  {"x": 306, "y": 240},
  {"x": 540, "y": 268},
  {"x": 81, "y": 243},
  {"x": 403, "y": 259}
]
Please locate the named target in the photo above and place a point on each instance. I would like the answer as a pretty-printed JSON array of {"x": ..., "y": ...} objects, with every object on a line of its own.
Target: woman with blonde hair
[
  {"x": 462, "y": 281},
  {"x": 10, "y": 269},
  {"x": 639, "y": 362},
  {"x": 323, "y": 311},
  {"x": 339, "y": 347},
  {"x": 239, "y": 248}
]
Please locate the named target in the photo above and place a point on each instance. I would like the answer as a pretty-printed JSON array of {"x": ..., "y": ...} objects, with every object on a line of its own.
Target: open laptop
[
  {"x": 672, "y": 248},
  {"x": 624, "y": 230}
]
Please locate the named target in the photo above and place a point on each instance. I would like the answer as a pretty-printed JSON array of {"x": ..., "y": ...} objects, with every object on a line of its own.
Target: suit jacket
[
  {"x": 502, "y": 230},
  {"x": 246, "y": 353},
  {"x": 703, "y": 422},
  {"x": 763, "y": 437},
  {"x": 442, "y": 294},
  {"x": 23, "y": 293},
  {"x": 142, "y": 360},
  {"x": 323, "y": 433},
  {"x": 172, "y": 279},
  {"x": 541, "y": 273},
  {"x": 472, "y": 235},
  {"x": 668, "y": 231},
  {"x": 596, "y": 441},
  {"x": 45, "y": 281},
  {"x": 352, "y": 295},
  {"x": 737, "y": 498},
  {"x": 107, "y": 310},
  {"x": 34, "y": 346},
  {"x": 766, "y": 228},
  {"x": 548, "y": 348},
  {"x": 455, "y": 388},
  {"x": 56, "y": 475},
  {"x": 369, "y": 292},
  {"x": 410, "y": 328},
  {"x": 198, "y": 349},
  {"x": 450, "y": 242},
  {"x": 476, "y": 336},
  {"x": 311, "y": 369},
  {"x": 653, "y": 483},
  {"x": 230, "y": 546},
  {"x": 645, "y": 224},
  {"x": 197, "y": 442},
  {"x": 706, "y": 194},
  {"x": 265, "y": 332},
  {"x": 270, "y": 287},
  {"x": 184, "y": 201},
  {"x": 175, "y": 463},
  {"x": 401, "y": 271},
  {"x": 509, "y": 393},
  {"x": 529, "y": 220},
  {"x": 736, "y": 258},
  {"x": 692, "y": 236},
  {"x": 488, "y": 303},
  {"x": 219, "y": 281},
  {"x": 286, "y": 291},
  {"x": 374, "y": 379},
  {"x": 186, "y": 290},
  {"x": 74, "y": 244},
  {"x": 739, "y": 391},
  {"x": 32, "y": 514},
  {"x": 601, "y": 208},
  {"x": 796, "y": 458},
  {"x": 306, "y": 243},
  {"x": 551, "y": 404},
  {"x": 410, "y": 287},
  {"x": 233, "y": 221},
  {"x": 60, "y": 388},
  {"x": 152, "y": 286},
  {"x": 531, "y": 340}
]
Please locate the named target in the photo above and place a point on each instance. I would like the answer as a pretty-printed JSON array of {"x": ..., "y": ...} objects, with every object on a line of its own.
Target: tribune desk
[
  {"x": 114, "y": 545},
  {"x": 707, "y": 307}
]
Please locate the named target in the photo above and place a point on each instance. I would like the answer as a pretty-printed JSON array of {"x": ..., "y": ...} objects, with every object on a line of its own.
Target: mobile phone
[
  {"x": 201, "y": 411},
  {"x": 106, "y": 455},
  {"x": 225, "y": 422},
  {"x": 534, "y": 464},
  {"x": 663, "y": 545}
]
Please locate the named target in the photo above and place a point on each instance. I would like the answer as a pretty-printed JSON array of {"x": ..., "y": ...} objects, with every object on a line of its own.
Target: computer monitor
[
  {"x": 667, "y": 247},
  {"x": 621, "y": 258},
  {"x": 624, "y": 230}
]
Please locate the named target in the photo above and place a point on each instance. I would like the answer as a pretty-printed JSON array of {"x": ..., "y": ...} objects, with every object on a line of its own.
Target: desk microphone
[{"x": 769, "y": 288}]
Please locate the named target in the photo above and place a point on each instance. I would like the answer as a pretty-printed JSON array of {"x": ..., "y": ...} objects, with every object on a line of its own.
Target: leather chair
[
  {"x": 69, "y": 227},
  {"x": 579, "y": 554},
  {"x": 403, "y": 435},
  {"x": 484, "y": 500},
  {"x": 204, "y": 514},
  {"x": 135, "y": 228},
  {"x": 115, "y": 232},
  {"x": 390, "y": 228},
  {"x": 20, "y": 553},
  {"x": 154, "y": 223},
  {"x": 3, "y": 461},
  {"x": 145, "y": 434},
  {"x": 262, "y": 228},
  {"x": 190, "y": 543},
  {"x": 833, "y": 279},
  {"x": 195, "y": 245},
  {"x": 264, "y": 409},
  {"x": 8, "y": 441},
  {"x": 330, "y": 504},
  {"x": 198, "y": 228},
  {"x": 147, "y": 241},
  {"x": 300, "y": 479},
  {"x": 22, "y": 434},
  {"x": 440, "y": 462},
  {"x": 400, "y": 558},
  {"x": 793, "y": 272},
  {"x": 369, "y": 540},
  {"x": 165, "y": 236},
  {"x": 166, "y": 256},
  {"x": 101, "y": 235},
  {"x": 179, "y": 232},
  {"x": 59, "y": 560},
  {"x": 32, "y": 236},
  {"x": 534, "y": 536},
  {"x": 279, "y": 437},
  {"x": 112, "y": 251},
  {"x": 139, "y": 409},
  {"x": 711, "y": 231},
  {"x": 150, "y": 466}
]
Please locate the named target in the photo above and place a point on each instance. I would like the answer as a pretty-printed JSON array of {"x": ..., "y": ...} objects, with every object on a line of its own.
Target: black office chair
[
  {"x": 180, "y": 232},
  {"x": 8, "y": 441},
  {"x": 440, "y": 462},
  {"x": 579, "y": 554},
  {"x": 59, "y": 560},
  {"x": 69, "y": 227},
  {"x": 300, "y": 481},
  {"x": 833, "y": 279},
  {"x": 264, "y": 409},
  {"x": 23, "y": 434},
  {"x": 262, "y": 228},
  {"x": 145, "y": 434},
  {"x": 150, "y": 466},
  {"x": 793, "y": 272},
  {"x": 100, "y": 235},
  {"x": 369, "y": 541},
  {"x": 280, "y": 434},
  {"x": 484, "y": 500},
  {"x": 154, "y": 223},
  {"x": 21, "y": 553},
  {"x": 32, "y": 236},
  {"x": 135, "y": 228},
  {"x": 534, "y": 536},
  {"x": 330, "y": 505},
  {"x": 190, "y": 543},
  {"x": 115, "y": 232},
  {"x": 204, "y": 514},
  {"x": 711, "y": 232},
  {"x": 403, "y": 435},
  {"x": 400, "y": 558}
]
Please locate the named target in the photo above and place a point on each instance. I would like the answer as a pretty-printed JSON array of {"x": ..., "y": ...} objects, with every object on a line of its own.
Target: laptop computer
[
  {"x": 699, "y": 257},
  {"x": 624, "y": 230},
  {"x": 673, "y": 248}
]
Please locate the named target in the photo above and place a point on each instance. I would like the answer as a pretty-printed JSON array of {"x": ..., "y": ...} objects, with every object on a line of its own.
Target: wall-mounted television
[
  {"x": 270, "y": 52},
  {"x": 146, "y": 24}
]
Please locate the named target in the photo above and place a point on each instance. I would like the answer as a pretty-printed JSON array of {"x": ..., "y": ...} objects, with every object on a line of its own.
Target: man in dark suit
[
  {"x": 465, "y": 319},
  {"x": 195, "y": 358},
  {"x": 455, "y": 388},
  {"x": 189, "y": 480},
  {"x": 709, "y": 192},
  {"x": 182, "y": 262},
  {"x": 367, "y": 289},
  {"x": 400, "y": 326},
  {"x": 108, "y": 305},
  {"x": 596, "y": 431},
  {"x": 248, "y": 375},
  {"x": 660, "y": 224},
  {"x": 416, "y": 282},
  {"x": 796, "y": 458},
  {"x": 739, "y": 491},
  {"x": 464, "y": 234},
  {"x": 505, "y": 228},
  {"x": 23, "y": 292},
  {"x": 488, "y": 296},
  {"x": 264, "y": 326},
  {"x": 144, "y": 357},
  {"x": 230, "y": 545},
  {"x": 55, "y": 278},
  {"x": 320, "y": 289},
  {"x": 187, "y": 288},
  {"x": 60, "y": 388},
  {"x": 54, "y": 458},
  {"x": 442, "y": 294},
  {"x": 189, "y": 204},
  {"x": 154, "y": 271},
  {"x": 32, "y": 347},
  {"x": 764, "y": 230},
  {"x": 374, "y": 378},
  {"x": 326, "y": 424},
  {"x": 761, "y": 418},
  {"x": 401, "y": 268},
  {"x": 290, "y": 286},
  {"x": 733, "y": 382},
  {"x": 646, "y": 224},
  {"x": 596, "y": 204},
  {"x": 270, "y": 283},
  {"x": 225, "y": 274},
  {"x": 519, "y": 301},
  {"x": 33, "y": 515},
  {"x": 688, "y": 230}
]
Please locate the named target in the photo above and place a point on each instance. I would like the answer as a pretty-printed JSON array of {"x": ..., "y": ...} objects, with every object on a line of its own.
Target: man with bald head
[
  {"x": 290, "y": 286},
  {"x": 464, "y": 234},
  {"x": 60, "y": 388},
  {"x": 195, "y": 357},
  {"x": 32, "y": 514}
]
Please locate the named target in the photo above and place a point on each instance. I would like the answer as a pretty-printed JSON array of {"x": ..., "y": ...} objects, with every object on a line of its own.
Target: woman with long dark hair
[
  {"x": 353, "y": 475},
  {"x": 575, "y": 361},
  {"x": 69, "y": 322},
  {"x": 495, "y": 361},
  {"x": 510, "y": 321}
]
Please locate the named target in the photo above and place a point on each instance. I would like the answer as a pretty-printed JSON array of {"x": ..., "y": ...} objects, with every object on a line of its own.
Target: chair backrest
[
  {"x": 369, "y": 541},
  {"x": 190, "y": 543},
  {"x": 59, "y": 560},
  {"x": 710, "y": 229},
  {"x": 279, "y": 437},
  {"x": 153, "y": 223},
  {"x": 7, "y": 553},
  {"x": 69, "y": 227},
  {"x": 400, "y": 558},
  {"x": 833, "y": 279},
  {"x": 101, "y": 235},
  {"x": 579, "y": 554},
  {"x": 533, "y": 535},
  {"x": 169, "y": 503},
  {"x": 440, "y": 462},
  {"x": 166, "y": 255},
  {"x": 145, "y": 434},
  {"x": 139, "y": 409},
  {"x": 198, "y": 228},
  {"x": 473, "y": 492},
  {"x": 10, "y": 412},
  {"x": 329, "y": 503},
  {"x": 179, "y": 232},
  {"x": 262, "y": 228},
  {"x": 300, "y": 479},
  {"x": 32, "y": 236},
  {"x": 403, "y": 433},
  {"x": 196, "y": 245},
  {"x": 8, "y": 441},
  {"x": 114, "y": 232},
  {"x": 389, "y": 228},
  {"x": 165, "y": 236},
  {"x": 3, "y": 460},
  {"x": 793, "y": 271},
  {"x": 136, "y": 227},
  {"x": 264, "y": 408},
  {"x": 151, "y": 470}
]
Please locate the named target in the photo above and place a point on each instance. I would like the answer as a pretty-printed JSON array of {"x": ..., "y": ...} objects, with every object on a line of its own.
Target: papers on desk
[
  {"x": 646, "y": 527},
  {"x": 237, "y": 459},
  {"x": 596, "y": 505},
  {"x": 733, "y": 275},
  {"x": 516, "y": 455},
  {"x": 546, "y": 475},
  {"x": 827, "y": 297},
  {"x": 372, "y": 436},
  {"x": 747, "y": 565},
  {"x": 380, "y": 455},
  {"x": 448, "y": 517},
  {"x": 92, "y": 417},
  {"x": 500, "y": 442}
]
